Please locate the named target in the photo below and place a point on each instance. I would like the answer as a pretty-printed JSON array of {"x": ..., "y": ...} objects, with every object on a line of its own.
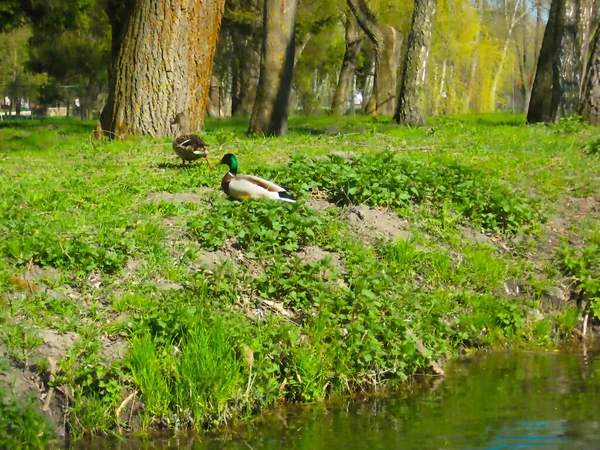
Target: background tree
[
  {"x": 556, "y": 87},
  {"x": 164, "y": 52},
  {"x": 589, "y": 107},
  {"x": 72, "y": 45},
  {"x": 237, "y": 60},
  {"x": 353, "y": 42},
  {"x": 270, "y": 112},
  {"x": 17, "y": 81},
  {"x": 411, "y": 104},
  {"x": 387, "y": 41}
]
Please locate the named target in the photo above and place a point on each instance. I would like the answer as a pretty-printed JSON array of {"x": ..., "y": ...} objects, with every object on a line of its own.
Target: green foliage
[
  {"x": 22, "y": 425},
  {"x": 390, "y": 180},
  {"x": 273, "y": 321},
  {"x": 584, "y": 265},
  {"x": 257, "y": 225}
]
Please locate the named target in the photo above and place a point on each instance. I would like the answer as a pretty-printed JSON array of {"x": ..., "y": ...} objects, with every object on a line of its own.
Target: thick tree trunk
[
  {"x": 540, "y": 104},
  {"x": 353, "y": 43},
  {"x": 555, "y": 91},
  {"x": 163, "y": 67},
  {"x": 270, "y": 112},
  {"x": 411, "y": 104},
  {"x": 388, "y": 46},
  {"x": 590, "y": 96}
]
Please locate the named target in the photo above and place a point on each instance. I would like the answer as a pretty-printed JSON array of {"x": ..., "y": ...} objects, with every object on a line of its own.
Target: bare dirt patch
[
  {"x": 55, "y": 345},
  {"x": 474, "y": 235},
  {"x": 340, "y": 153},
  {"x": 315, "y": 254},
  {"x": 583, "y": 206},
  {"x": 180, "y": 197},
  {"x": 319, "y": 204},
  {"x": 372, "y": 224}
]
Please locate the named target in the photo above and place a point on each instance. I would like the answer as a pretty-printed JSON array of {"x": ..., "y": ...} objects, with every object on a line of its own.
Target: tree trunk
[
  {"x": 213, "y": 107},
  {"x": 163, "y": 65},
  {"x": 388, "y": 45},
  {"x": 270, "y": 112},
  {"x": 344, "y": 84},
  {"x": 558, "y": 77},
  {"x": 516, "y": 16},
  {"x": 247, "y": 77},
  {"x": 587, "y": 21},
  {"x": 590, "y": 96},
  {"x": 411, "y": 104}
]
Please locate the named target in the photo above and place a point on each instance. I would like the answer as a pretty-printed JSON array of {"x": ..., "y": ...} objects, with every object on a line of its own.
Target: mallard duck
[
  {"x": 188, "y": 146},
  {"x": 247, "y": 186}
]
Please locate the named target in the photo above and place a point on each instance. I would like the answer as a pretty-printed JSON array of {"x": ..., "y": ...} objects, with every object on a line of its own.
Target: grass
[{"x": 93, "y": 244}]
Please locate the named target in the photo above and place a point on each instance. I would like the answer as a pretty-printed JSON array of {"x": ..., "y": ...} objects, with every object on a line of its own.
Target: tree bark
[
  {"x": 589, "y": 108},
  {"x": 247, "y": 76},
  {"x": 555, "y": 91},
  {"x": 270, "y": 112},
  {"x": 411, "y": 104},
  {"x": 587, "y": 21},
  {"x": 214, "y": 106},
  {"x": 388, "y": 46},
  {"x": 164, "y": 52},
  {"x": 344, "y": 84}
]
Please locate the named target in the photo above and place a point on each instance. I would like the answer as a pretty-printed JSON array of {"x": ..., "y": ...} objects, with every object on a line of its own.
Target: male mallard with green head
[
  {"x": 188, "y": 146},
  {"x": 241, "y": 187}
]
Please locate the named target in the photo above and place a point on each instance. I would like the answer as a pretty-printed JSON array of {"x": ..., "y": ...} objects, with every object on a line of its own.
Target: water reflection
[{"x": 497, "y": 401}]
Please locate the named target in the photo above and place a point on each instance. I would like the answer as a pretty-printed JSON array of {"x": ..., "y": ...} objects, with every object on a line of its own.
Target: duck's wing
[
  {"x": 265, "y": 184},
  {"x": 190, "y": 141}
]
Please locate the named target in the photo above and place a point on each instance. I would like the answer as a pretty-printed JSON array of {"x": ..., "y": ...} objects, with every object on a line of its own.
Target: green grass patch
[{"x": 95, "y": 243}]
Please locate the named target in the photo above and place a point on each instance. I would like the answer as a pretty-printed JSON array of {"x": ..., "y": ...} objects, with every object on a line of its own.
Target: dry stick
[
  {"x": 423, "y": 351},
  {"x": 585, "y": 321},
  {"x": 52, "y": 364},
  {"x": 123, "y": 404}
]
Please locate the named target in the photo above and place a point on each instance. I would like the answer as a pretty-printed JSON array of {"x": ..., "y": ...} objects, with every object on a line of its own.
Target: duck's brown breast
[{"x": 225, "y": 182}]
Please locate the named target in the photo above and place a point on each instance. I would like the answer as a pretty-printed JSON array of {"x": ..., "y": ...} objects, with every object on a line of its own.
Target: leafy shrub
[
  {"x": 584, "y": 265},
  {"x": 257, "y": 224},
  {"x": 22, "y": 425},
  {"x": 391, "y": 180}
]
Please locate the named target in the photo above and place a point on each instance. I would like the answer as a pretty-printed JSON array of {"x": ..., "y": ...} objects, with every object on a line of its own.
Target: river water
[{"x": 518, "y": 400}]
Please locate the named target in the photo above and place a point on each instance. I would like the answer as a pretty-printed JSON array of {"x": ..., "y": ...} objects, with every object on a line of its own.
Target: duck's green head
[{"x": 230, "y": 160}]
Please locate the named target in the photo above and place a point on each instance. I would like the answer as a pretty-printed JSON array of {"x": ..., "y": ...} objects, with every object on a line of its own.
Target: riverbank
[{"x": 136, "y": 296}]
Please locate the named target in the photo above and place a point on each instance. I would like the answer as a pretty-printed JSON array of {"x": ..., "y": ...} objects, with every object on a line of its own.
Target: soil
[
  {"x": 176, "y": 198},
  {"x": 315, "y": 254},
  {"x": 371, "y": 224}
]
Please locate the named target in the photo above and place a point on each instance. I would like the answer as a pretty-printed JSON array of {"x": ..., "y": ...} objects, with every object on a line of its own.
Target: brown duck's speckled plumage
[{"x": 188, "y": 146}]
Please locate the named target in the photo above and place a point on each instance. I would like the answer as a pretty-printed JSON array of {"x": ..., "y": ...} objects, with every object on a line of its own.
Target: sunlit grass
[{"x": 475, "y": 193}]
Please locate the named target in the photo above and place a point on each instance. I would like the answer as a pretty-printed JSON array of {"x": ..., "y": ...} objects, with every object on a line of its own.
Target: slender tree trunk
[
  {"x": 585, "y": 31},
  {"x": 411, "y": 104},
  {"x": 557, "y": 81},
  {"x": 248, "y": 75},
  {"x": 388, "y": 46},
  {"x": 270, "y": 112},
  {"x": 590, "y": 96},
  {"x": 213, "y": 107},
  {"x": 163, "y": 66},
  {"x": 515, "y": 16},
  {"x": 441, "y": 93},
  {"x": 353, "y": 44},
  {"x": 369, "y": 104}
]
